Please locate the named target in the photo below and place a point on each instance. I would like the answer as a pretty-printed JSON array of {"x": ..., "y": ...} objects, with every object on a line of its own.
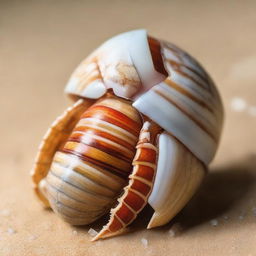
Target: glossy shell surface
[
  {"x": 89, "y": 171},
  {"x": 186, "y": 104},
  {"x": 153, "y": 125},
  {"x": 181, "y": 98}
]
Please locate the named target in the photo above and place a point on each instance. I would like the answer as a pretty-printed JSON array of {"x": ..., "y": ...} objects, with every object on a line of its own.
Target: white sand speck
[
  {"x": 32, "y": 237},
  {"x": 214, "y": 222},
  {"x": 241, "y": 217},
  {"x": 74, "y": 232},
  {"x": 172, "y": 232},
  {"x": 144, "y": 241},
  {"x": 238, "y": 104},
  {"x": 5, "y": 213},
  {"x": 92, "y": 232},
  {"x": 11, "y": 231}
]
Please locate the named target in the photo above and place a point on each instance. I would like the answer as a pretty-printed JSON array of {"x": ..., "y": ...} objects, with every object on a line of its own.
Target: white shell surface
[
  {"x": 186, "y": 104},
  {"x": 123, "y": 63},
  {"x": 178, "y": 175},
  {"x": 86, "y": 81}
]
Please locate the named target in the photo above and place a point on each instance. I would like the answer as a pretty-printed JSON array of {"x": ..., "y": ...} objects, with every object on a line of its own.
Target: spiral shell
[{"x": 177, "y": 118}]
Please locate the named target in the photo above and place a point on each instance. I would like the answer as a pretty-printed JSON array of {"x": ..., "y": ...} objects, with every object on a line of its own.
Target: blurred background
[{"x": 41, "y": 42}]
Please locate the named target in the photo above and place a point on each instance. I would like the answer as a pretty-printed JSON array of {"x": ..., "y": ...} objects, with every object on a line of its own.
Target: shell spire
[{"x": 130, "y": 64}]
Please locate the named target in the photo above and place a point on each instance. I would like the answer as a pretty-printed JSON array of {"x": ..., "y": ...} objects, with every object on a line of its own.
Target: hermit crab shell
[
  {"x": 166, "y": 86},
  {"x": 170, "y": 87},
  {"x": 123, "y": 63}
]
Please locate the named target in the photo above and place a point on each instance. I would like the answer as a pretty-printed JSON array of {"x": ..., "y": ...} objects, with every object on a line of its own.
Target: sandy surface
[{"x": 40, "y": 44}]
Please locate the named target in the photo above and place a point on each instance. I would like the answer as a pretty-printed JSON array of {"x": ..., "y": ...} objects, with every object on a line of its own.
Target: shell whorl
[
  {"x": 174, "y": 94},
  {"x": 128, "y": 63},
  {"x": 90, "y": 170},
  {"x": 165, "y": 83},
  {"x": 186, "y": 104}
]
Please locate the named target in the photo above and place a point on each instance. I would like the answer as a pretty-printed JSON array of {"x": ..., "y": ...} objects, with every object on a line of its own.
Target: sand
[{"x": 41, "y": 42}]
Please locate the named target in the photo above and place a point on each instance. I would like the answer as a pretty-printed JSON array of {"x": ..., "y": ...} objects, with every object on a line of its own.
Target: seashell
[
  {"x": 123, "y": 63},
  {"x": 146, "y": 124}
]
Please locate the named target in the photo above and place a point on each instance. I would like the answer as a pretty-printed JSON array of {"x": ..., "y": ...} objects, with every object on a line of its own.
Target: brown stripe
[
  {"x": 73, "y": 217},
  {"x": 106, "y": 136},
  {"x": 73, "y": 200},
  {"x": 176, "y": 67},
  {"x": 102, "y": 146},
  {"x": 185, "y": 112},
  {"x": 72, "y": 203},
  {"x": 106, "y": 167},
  {"x": 183, "y": 91},
  {"x": 155, "y": 49},
  {"x": 98, "y": 175},
  {"x": 62, "y": 180},
  {"x": 114, "y": 117},
  {"x": 174, "y": 63},
  {"x": 98, "y": 155},
  {"x": 81, "y": 181}
]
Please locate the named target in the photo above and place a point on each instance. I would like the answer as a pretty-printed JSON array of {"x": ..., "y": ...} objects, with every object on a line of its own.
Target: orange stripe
[
  {"x": 107, "y": 148},
  {"x": 146, "y": 155},
  {"x": 125, "y": 214},
  {"x": 141, "y": 187},
  {"x": 106, "y": 136},
  {"x": 97, "y": 154},
  {"x": 115, "y": 225},
  {"x": 145, "y": 172},
  {"x": 114, "y": 117},
  {"x": 134, "y": 201},
  {"x": 96, "y": 162}
]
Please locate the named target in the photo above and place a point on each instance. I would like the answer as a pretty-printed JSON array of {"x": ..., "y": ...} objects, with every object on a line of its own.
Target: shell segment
[
  {"x": 179, "y": 173},
  {"x": 83, "y": 164},
  {"x": 124, "y": 63},
  {"x": 89, "y": 171},
  {"x": 186, "y": 104},
  {"x": 52, "y": 141},
  {"x": 136, "y": 193}
]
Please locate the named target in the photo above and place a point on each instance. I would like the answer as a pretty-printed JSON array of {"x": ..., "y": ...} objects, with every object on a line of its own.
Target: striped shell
[
  {"x": 148, "y": 139},
  {"x": 88, "y": 172}
]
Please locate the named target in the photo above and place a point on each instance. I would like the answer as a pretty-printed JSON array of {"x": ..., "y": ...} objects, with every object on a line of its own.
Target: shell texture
[
  {"x": 179, "y": 174},
  {"x": 89, "y": 171},
  {"x": 123, "y": 63},
  {"x": 153, "y": 125},
  {"x": 54, "y": 137},
  {"x": 140, "y": 184},
  {"x": 186, "y": 104}
]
